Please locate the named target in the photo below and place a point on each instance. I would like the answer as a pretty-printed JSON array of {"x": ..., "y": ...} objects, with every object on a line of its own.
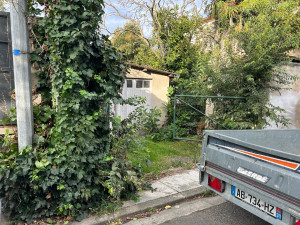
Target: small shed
[{"x": 146, "y": 82}]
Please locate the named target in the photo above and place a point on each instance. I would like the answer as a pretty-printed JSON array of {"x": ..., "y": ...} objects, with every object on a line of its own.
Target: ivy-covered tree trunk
[{"x": 71, "y": 168}]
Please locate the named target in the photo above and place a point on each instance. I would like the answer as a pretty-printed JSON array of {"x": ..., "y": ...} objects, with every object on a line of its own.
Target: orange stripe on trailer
[{"x": 284, "y": 163}]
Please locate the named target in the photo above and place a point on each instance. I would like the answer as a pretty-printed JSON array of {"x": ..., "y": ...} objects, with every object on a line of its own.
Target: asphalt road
[{"x": 223, "y": 214}]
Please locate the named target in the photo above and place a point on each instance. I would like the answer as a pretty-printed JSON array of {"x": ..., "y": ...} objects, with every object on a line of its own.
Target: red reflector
[
  {"x": 215, "y": 183},
  {"x": 295, "y": 220}
]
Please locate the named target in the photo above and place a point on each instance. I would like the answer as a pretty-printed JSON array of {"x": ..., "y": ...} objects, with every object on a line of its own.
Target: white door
[{"x": 132, "y": 88}]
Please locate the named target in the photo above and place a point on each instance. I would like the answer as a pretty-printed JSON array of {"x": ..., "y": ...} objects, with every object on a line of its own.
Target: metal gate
[
  {"x": 6, "y": 66},
  {"x": 195, "y": 106}
]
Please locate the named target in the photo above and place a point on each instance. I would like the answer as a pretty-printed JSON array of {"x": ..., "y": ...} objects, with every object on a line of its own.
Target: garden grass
[{"x": 166, "y": 156}]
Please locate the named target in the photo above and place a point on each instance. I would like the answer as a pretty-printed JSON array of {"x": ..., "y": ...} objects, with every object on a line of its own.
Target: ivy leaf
[
  {"x": 73, "y": 55},
  {"x": 41, "y": 164},
  {"x": 80, "y": 174}
]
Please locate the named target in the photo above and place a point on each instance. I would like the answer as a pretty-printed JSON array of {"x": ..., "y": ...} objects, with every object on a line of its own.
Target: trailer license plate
[{"x": 256, "y": 202}]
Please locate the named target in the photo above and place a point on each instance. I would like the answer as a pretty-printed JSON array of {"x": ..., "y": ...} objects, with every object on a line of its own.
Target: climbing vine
[{"x": 73, "y": 165}]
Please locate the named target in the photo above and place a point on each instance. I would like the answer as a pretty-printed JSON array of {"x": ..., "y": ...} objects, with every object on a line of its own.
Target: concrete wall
[{"x": 289, "y": 99}]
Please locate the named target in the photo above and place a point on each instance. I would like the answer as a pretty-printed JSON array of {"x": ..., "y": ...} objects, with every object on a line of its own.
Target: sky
[{"x": 112, "y": 22}]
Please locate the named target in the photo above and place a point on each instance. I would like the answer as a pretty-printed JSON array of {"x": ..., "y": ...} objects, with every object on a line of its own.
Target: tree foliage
[
  {"x": 145, "y": 14},
  {"x": 173, "y": 26},
  {"x": 77, "y": 161},
  {"x": 177, "y": 34},
  {"x": 249, "y": 47},
  {"x": 3, "y": 3},
  {"x": 173, "y": 46},
  {"x": 127, "y": 39},
  {"x": 258, "y": 43}
]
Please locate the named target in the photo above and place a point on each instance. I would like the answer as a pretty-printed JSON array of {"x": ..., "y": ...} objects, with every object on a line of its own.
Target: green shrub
[
  {"x": 166, "y": 133},
  {"x": 257, "y": 44}
]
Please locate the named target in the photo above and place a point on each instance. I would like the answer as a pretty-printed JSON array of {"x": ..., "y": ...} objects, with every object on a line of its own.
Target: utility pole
[{"x": 22, "y": 72}]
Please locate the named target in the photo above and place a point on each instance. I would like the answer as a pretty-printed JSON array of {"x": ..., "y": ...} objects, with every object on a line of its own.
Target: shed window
[
  {"x": 139, "y": 84},
  {"x": 146, "y": 84},
  {"x": 129, "y": 83}
]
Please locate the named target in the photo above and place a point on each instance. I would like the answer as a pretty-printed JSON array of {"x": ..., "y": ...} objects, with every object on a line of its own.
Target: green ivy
[{"x": 74, "y": 164}]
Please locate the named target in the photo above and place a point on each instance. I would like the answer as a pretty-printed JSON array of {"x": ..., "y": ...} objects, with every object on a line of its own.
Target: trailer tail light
[
  {"x": 216, "y": 183},
  {"x": 295, "y": 220}
]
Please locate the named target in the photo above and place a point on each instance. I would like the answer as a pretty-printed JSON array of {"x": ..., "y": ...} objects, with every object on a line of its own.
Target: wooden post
[{"x": 22, "y": 73}]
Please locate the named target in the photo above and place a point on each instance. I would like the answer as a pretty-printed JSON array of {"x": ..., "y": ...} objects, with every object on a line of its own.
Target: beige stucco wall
[
  {"x": 159, "y": 99},
  {"x": 295, "y": 53}
]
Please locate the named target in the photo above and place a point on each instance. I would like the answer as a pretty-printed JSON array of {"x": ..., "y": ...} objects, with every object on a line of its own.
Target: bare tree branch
[{"x": 144, "y": 13}]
